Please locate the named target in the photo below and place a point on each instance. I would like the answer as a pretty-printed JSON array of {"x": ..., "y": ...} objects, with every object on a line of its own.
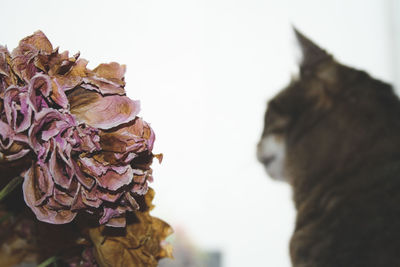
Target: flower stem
[
  {"x": 10, "y": 187},
  {"x": 48, "y": 262}
]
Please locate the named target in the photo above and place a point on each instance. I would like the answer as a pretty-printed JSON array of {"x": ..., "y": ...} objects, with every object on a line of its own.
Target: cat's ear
[{"x": 312, "y": 54}]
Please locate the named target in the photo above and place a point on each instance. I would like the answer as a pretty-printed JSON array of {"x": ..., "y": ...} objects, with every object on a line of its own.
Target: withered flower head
[{"x": 90, "y": 151}]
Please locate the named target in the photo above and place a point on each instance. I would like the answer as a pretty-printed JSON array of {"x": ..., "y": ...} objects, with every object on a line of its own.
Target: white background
[{"x": 203, "y": 71}]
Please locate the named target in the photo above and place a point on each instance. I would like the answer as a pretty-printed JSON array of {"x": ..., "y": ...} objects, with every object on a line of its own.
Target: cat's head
[{"x": 321, "y": 118}]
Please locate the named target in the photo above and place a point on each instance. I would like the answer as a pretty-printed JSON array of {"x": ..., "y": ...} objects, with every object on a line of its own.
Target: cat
[{"x": 334, "y": 135}]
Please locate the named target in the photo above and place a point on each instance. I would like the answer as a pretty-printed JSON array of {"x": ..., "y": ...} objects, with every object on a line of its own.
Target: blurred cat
[{"x": 334, "y": 135}]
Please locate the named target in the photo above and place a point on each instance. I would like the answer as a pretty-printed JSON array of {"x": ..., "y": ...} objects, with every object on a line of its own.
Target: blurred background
[{"x": 203, "y": 71}]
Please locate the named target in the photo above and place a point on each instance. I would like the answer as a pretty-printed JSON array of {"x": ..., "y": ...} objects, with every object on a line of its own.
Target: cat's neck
[{"x": 366, "y": 173}]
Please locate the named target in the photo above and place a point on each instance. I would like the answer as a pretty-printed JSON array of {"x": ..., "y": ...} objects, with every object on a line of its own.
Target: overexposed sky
[{"x": 203, "y": 71}]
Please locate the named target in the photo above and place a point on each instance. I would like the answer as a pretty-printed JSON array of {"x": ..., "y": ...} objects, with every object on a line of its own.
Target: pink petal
[
  {"x": 102, "y": 112},
  {"x": 53, "y": 129},
  {"x": 113, "y": 180},
  {"x": 26, "y": 111},
  {"x": 44, "y": 151},
  {"x": 17, "y": 110},
  {"x": 58, "y": 95},
  {"x": 82, "y": 178},
  {"x": 93, "y": 167},
  {"x": 78, "y": 202},
  {"x": 53, "y": 121},
  {"x": 113, "y": 217},
  {"x": 90, "y": 197},
  {"x": 39, "y": 89},
  {"x": 109, "y": 196},
  {"x": 17, "y": 155},
  {"x": 60, "y": 169},
  {"x": 63, "y": 198},
  {"x": 43, "y": 118},
  {"x": 86, "y": 139},
  {"x": 6, "y": 135},
  {"x": 140, "y": 189},
  {"x": 9, "y": 95},
  {"x": 108, "y": 213},
  {"x": 103, "y": 86}
]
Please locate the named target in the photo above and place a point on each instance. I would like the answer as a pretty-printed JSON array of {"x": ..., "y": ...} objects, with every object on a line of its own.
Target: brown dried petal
[
  {"x": 112, "y": 71},
  {"x": 63, "y": 198},
  {"x": 73, "y": 77},
  {"x": 109, "y": 195},
  {"x": 79, "y": 69},
  {"x": 4, "y": 68},
  {"x": 103, "y": 86},
  {"x": 37, "y": 187},
  {"x": 23, "y": 62},
  {"x": 127, "y": 138},
  {"x": 90, "y": 197},
  {"x": 107, "y": 79},
  {"x": 39, "y": 41},
  {"x": 58, "y": 95},
  {"x": 82, "y": 178}
]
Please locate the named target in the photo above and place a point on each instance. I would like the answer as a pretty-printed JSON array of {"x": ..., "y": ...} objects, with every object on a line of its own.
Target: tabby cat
[{"x": 334, "y": 135}]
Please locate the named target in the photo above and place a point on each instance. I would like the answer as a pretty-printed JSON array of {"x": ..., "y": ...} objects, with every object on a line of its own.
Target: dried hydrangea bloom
[{"x": 90, "y": 151}]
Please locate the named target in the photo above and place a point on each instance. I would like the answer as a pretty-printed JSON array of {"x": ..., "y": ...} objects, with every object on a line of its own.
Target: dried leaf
[{"x": 141, "y": 245}]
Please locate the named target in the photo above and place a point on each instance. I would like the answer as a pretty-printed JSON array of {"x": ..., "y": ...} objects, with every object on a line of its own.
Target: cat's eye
[
  {"x": 276, "y": 126},
  {"x": 275, "y": 120}
]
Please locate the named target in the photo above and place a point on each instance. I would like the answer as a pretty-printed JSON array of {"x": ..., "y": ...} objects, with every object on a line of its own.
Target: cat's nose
[
  {"x": 271, "y": 154},
  {"x": 266, "y": 160},
  {"x": 261, "y": 155}
]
